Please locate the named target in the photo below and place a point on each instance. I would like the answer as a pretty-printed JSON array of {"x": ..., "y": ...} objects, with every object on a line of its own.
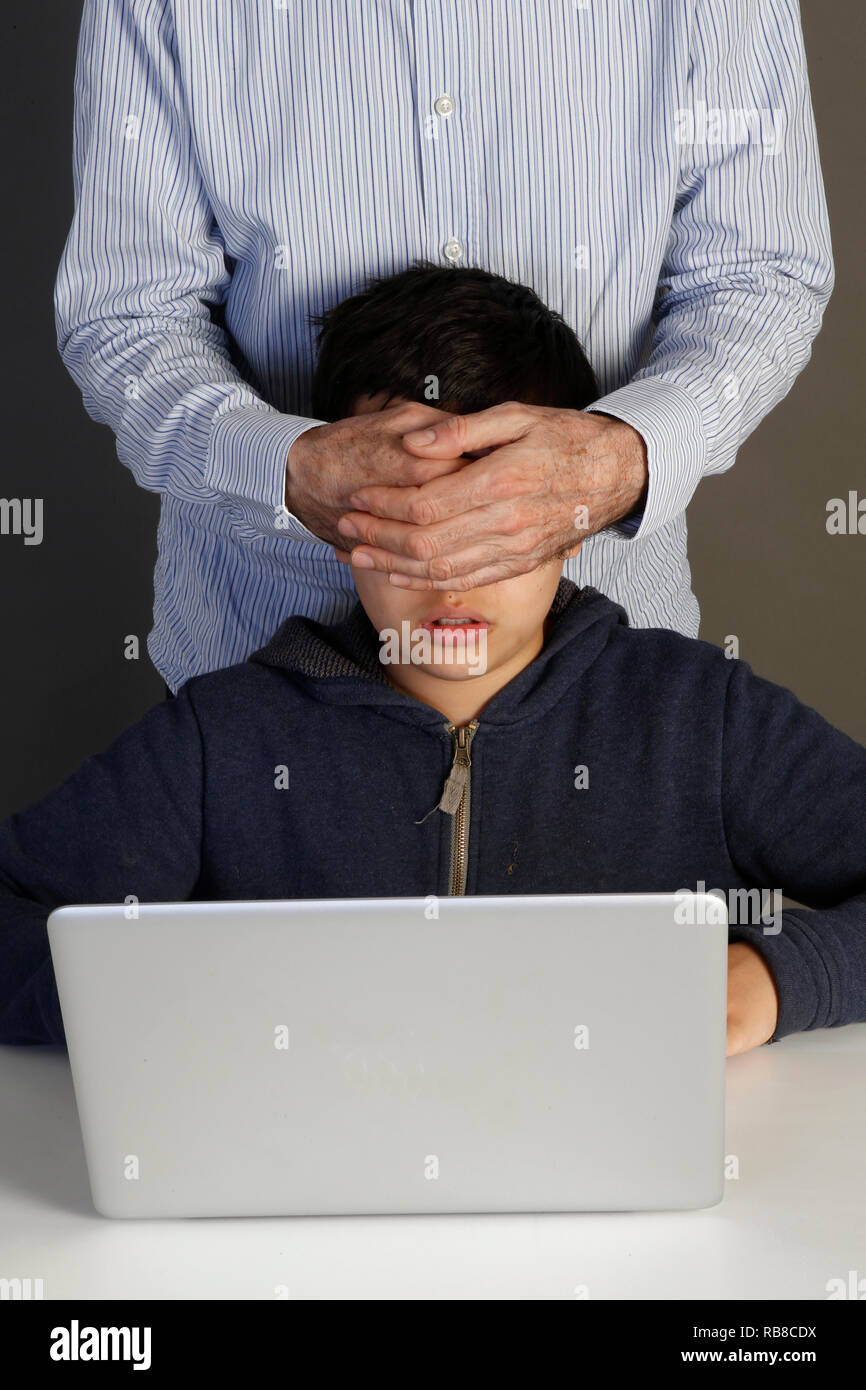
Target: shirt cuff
[
  {"x": 672, "y": 426},
  {"x": 246, "y": 464}
]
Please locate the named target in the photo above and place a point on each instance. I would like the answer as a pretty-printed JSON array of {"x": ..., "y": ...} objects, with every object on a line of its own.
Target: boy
[{"x": 579, "y": 756}]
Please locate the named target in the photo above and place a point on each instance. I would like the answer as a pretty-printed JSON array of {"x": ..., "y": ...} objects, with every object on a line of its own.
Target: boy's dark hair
[{"x": 485, "y": 338}]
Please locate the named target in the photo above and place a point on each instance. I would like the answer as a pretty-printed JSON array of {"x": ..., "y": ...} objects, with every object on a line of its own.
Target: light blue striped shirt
[{"x": 650, "y": 169}]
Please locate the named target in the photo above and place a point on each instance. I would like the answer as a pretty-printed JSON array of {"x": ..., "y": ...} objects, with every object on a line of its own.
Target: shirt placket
[{"x": 446, "y": 40}]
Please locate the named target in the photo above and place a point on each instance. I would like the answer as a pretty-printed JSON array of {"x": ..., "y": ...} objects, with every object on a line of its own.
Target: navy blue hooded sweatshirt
[{"x": 302, "y": 773}]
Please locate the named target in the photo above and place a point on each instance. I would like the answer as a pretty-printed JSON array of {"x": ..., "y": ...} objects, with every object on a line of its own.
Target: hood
[{"x": 339, "y": 663}]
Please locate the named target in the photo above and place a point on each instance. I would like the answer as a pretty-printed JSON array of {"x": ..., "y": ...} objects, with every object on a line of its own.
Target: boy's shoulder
[
  {"x": 237, "y": 688},
  {"x": 666, "y": 671},
  {"x": 298, "y": 662},
  {"x": 598, "y": 634},
  {"x": 663, "y": 650}
]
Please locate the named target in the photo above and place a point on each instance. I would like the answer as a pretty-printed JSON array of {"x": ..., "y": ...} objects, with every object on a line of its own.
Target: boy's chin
[{"x": 455, "y": 672}]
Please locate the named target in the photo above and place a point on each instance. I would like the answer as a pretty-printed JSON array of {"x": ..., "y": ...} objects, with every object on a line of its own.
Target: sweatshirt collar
[{"x": 339, "y": 662}]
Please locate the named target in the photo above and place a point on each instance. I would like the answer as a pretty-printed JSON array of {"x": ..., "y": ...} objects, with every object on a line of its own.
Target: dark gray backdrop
[{"x": 765, "y": 568}]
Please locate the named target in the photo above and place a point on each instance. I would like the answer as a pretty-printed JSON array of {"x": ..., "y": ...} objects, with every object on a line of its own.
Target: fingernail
[
  {"x": 421, "y": 436},
  {"x": 346, "y": 528},
  {"x": 361, "y": 561},
  {"x": 401, "y": 581}
]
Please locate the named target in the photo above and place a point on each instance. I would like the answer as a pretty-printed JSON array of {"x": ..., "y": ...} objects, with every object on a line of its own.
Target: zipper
[{"x": 460, "y": 827}]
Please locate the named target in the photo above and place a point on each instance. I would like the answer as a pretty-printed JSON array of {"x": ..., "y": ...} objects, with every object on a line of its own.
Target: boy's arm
[
  {"x": 127, "y": 822},
  {"x": 794, "y": 808}
]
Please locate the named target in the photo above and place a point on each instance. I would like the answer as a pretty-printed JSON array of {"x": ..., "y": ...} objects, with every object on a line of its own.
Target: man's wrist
[
  {"x": 628, "y": 493},
  {"x": 670, "y": 423},
  {"x": 293, "y": 468},
  {"x": 246, "y": 465},
  {"x": 634, "y": 465}
]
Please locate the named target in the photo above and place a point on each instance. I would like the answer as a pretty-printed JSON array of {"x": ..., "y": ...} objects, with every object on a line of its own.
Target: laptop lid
[{"x": 467, "y": 1054}]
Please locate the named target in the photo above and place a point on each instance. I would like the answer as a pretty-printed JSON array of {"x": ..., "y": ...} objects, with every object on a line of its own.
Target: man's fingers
[
  {"x": 410, "y": 472},
  {"x": 453, "y": 493},
  {"x": 476, "y": 579},
  {"x": 499, "y": 524},
  {"x": 398, "y": 537},
  {"x": 382, "y": 500},
  {"x": 492, "y": 552},
  {"x": 458, "y": 434},
  {"x": 409, "y": 415}
]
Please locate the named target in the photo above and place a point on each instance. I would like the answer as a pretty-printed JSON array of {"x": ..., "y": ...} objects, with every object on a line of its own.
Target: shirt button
[
  {"x": 453, "y": 250},
  {"x": 444, "y": 105}
]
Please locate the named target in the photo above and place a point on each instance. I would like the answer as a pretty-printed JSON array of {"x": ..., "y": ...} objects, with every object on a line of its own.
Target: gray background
[{"x": 764, "y": 567}]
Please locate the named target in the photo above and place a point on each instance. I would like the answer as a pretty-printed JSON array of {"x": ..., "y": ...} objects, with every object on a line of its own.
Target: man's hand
[
  {"x": 328, "y": 462},
  {"x": 548, "y": 479},
  {"x": 753, "y": 1003}
]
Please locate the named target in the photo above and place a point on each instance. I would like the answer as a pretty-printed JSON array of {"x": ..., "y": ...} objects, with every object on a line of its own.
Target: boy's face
[{"x": 505, "y": 631}]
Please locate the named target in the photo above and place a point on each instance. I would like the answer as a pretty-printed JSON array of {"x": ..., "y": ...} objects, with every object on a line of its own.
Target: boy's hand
[{"x": 753, "y": 1003}]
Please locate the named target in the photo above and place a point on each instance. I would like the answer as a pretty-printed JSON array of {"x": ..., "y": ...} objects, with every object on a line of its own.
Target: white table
[{"x": 795, "y": 1217}]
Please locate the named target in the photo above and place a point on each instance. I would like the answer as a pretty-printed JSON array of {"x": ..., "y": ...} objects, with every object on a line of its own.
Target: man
[{"x": 652, "y": 171}]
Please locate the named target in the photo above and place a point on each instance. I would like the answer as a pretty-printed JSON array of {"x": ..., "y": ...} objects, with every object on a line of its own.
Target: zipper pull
[{"x": 458, "y": 777}]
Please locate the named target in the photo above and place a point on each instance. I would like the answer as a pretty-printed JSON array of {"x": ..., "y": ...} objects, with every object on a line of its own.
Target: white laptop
[{"x": 466, "y": 1054}]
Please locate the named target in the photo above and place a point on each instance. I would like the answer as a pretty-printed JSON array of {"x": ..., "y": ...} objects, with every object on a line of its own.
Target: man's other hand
[{"x": 327, "y": 463}]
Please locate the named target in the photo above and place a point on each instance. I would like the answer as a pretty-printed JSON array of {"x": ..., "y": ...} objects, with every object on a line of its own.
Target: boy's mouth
[{"x": 443, "y": 620}]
